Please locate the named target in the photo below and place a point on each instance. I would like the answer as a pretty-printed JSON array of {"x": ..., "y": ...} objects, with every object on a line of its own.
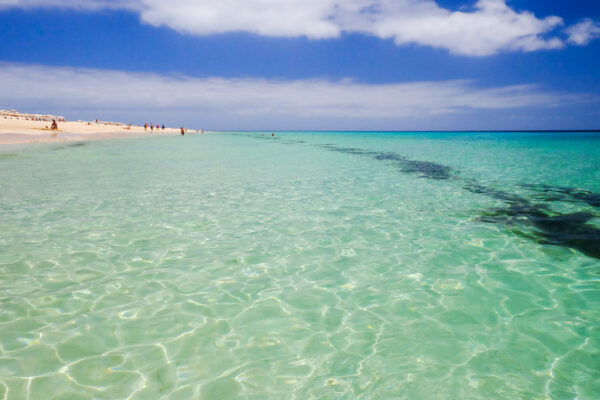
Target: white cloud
[
  {"x": 583, "y": 32},
  {"x": 491, "y": 26},
  {"x": 79, "y": 92},
  {"x": 284, "y": 18}
]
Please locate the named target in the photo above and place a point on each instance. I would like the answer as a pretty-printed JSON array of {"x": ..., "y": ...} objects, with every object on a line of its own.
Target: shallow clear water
[{"x": 305, "y": 266}]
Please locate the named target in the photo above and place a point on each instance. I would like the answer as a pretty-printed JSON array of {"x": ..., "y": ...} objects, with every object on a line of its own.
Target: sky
[{"x": 306, "y": 64}]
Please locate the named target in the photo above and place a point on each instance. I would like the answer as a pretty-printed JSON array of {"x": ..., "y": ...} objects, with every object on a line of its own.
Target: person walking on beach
[
  {"x": 152, "y": 127},
  {"x": 146, "y": 126},
  {"x": 54, "y": 126},
  {"x": 182, "y": 131},
  {"x": 163, "y": 127}
]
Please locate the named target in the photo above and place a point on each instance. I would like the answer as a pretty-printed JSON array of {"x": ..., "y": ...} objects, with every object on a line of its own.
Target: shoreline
[
  {"x": 8, "y": 139},
  {"x": 23, "y": 131}
]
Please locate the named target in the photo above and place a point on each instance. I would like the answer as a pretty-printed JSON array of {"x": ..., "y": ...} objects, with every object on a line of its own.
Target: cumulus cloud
[
  {"x": 85, "y": 91},
  {"x": 489, "y": 27},
  {"x": 583, "y": 32},
  {"x": 284, "y": 18}
]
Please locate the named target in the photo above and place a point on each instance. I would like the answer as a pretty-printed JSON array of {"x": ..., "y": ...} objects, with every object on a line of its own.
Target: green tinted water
[{"x": 324, "y": 266}]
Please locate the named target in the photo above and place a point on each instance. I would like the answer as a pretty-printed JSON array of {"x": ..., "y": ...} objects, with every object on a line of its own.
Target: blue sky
[{"x": 306, "y": 64}]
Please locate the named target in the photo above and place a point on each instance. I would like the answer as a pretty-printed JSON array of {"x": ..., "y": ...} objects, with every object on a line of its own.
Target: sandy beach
[{"x": 14, "y": 131}]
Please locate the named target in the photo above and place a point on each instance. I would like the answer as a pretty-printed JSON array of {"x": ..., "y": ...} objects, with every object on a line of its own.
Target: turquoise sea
[{"x": 308, "y": 265}]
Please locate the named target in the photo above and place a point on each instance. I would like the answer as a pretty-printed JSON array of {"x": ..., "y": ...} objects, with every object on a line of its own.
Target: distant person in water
[
  {"x": 54, "y": 126},
  {"x": 272, "y": 134}
]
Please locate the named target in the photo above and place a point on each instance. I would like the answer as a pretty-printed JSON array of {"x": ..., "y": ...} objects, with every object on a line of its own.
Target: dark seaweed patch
[
  {"x": 388, "y": 156},
  {"x": 348, "y": 150},
  {"x": 288, "y": 142},
  {"x": 567, "y": 230},
  {"x": 564, "y": 194},
  {"x": 592, "y": 199},
  {"x": 293, "y": 141},
  {"x": 424, "y": 169},
  {"x": 475, "y": 187},
  {"x": 66, "y": 146},
  {"x": 545, "y": 227}
]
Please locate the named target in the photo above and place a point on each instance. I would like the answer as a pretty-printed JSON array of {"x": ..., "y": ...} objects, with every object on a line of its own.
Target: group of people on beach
[
  {"x": 182, "y": 130},
  {"x": 152, "y": 127}
]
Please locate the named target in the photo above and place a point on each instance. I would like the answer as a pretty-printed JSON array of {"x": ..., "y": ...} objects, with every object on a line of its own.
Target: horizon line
[{"x": 420, "y": 131}]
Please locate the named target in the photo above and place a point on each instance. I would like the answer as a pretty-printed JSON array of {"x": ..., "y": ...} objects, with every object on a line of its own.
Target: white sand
[{"x": 25, "y": 131}]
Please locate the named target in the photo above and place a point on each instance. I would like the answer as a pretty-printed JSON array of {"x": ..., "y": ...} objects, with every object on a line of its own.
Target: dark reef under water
[
  {"x": 425, "y": 169},
  {"x": 568, "y": 230},
  {"x": 71, "y": 145},
  {"x": 545, "y": 226},
  {"x": 565, "y": 194}
]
